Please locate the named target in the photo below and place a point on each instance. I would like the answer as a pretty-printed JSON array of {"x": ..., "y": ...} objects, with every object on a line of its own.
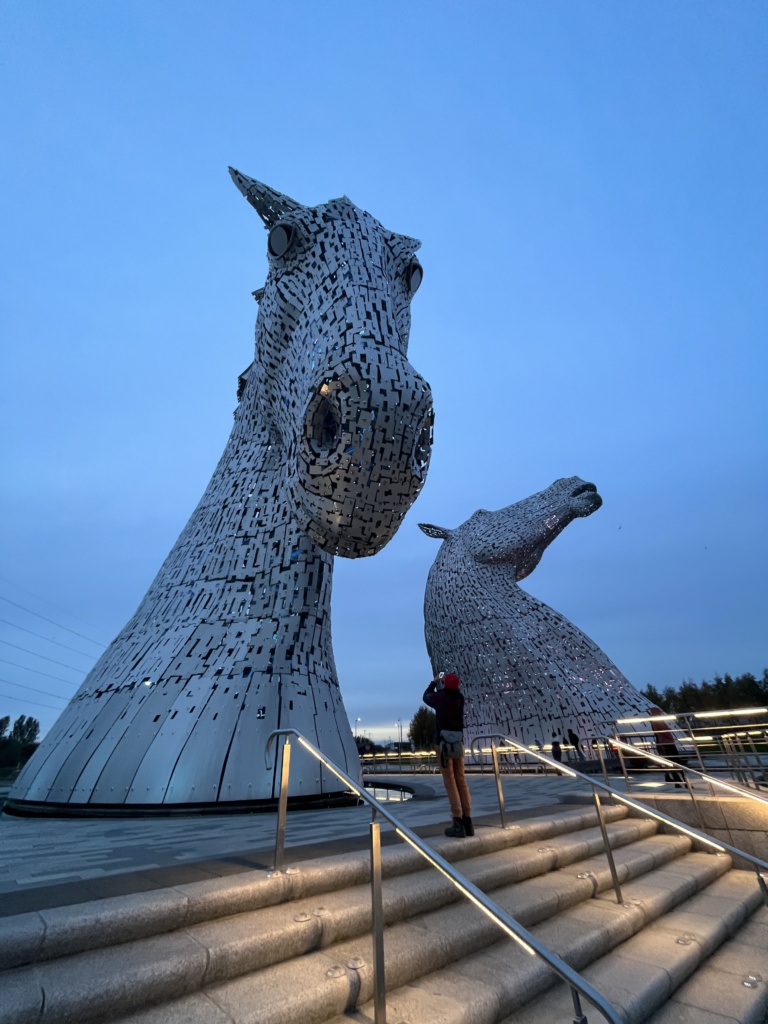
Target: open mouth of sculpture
[
  {"x": 586, "y": 499},
  {"x": 583, "y": 489}
]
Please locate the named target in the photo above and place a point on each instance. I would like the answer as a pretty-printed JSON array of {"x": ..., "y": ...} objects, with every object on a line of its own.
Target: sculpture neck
[{"x": 241, "y": 556}]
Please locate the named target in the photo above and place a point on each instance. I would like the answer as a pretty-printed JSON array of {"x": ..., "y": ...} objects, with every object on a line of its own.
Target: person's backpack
[{"x": 451, "y": 745}]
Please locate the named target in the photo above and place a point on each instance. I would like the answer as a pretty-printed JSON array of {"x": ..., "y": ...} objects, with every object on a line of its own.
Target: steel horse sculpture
[
  {"x": 526, "y": 670},
  {"x": 330, "y": 447}
]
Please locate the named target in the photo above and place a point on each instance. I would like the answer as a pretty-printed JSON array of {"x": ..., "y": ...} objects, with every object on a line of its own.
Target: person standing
[
  {"x": 575, "y": 742},
  {"x": 557, "y": 750},
  {"x": 666, "y": 746},
  {"x": 445, "y": 698}
]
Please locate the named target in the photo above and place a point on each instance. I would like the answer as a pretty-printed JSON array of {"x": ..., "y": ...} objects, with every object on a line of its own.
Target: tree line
[
  {"x": 20, "y": 743},
  {"x": 721, "y": 694}
]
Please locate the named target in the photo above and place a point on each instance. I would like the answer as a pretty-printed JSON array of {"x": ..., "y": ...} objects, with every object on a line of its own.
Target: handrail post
[
  {"x": 757, "y": 763},
  {"x": 751, "y": 765},
  {"x": 282, "y": 805},
  {"x": 579, "y": 1017},
  {"x": 624, "y": 769},
  {"x": 692, "y": 734},
  {"x": 761, "y": 883},
  {"x": 608, "y": 850},
  {"x": 499, "y": 789},
  {"x": 377, "y": 914},
  {"x": 602, "y": 760},
  {"x": 692, "y": 795},
  {"x": 734, "y": 761}
]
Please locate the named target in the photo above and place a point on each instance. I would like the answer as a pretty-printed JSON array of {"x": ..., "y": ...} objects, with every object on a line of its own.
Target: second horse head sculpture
[{"x": 527, "y": 672}]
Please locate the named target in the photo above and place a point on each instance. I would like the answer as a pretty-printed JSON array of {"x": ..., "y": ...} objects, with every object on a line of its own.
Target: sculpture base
[{"x": 39, "y": 809}]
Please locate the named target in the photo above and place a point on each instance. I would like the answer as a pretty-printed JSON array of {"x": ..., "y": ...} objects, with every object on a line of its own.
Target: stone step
[
  {"x": 712, "y": 996},
  {"x": 503, "y": 984},
  {"x": 60, "y": 931},
  {"x": 266, "y": 948},
  {"x": 330, "y": 982},
  {"x": 685, "y": 963},
  {"x": 159, "y": 967}
]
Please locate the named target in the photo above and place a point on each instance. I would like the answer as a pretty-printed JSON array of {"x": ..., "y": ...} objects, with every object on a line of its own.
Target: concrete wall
[{"x": 739, "y": 821}]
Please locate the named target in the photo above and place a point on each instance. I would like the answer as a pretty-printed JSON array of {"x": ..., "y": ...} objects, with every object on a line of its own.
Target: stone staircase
[{"x": 689, "y": 945}]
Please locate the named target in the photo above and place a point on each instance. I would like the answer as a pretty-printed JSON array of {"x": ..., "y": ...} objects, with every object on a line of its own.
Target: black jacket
[{"x": 448, "y": 706}]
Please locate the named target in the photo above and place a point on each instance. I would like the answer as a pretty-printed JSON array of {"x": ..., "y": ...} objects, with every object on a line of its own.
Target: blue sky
[{"x": 588, "y": 181}]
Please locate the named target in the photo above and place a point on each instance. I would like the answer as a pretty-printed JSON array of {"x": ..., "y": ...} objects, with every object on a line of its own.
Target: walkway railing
[
  {"x": 733, "y": 740},
  {"x": 508, "y": 744},
  {"x": 687, "y": 773},
  {"x": 579, "y": 986}
]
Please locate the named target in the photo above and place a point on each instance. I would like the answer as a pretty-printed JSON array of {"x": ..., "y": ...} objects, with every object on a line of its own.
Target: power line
[
  {"x": 25, "y": 700},
  {"x": 36, "y": 655},
  {"x": 52, "y": 621},
  {"x": 37, "y": 672},
  {"x": 52, "y": 605},
  {"x": 48, "y": 639},
  {"x": 35, "y": 689}
]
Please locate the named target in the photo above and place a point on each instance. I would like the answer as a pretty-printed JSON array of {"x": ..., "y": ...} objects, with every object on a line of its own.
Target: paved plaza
[{"x": 60, "y": 861}]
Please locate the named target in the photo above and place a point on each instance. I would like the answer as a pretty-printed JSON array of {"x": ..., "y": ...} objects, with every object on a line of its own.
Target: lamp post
[
  {"x": 357, "y": 734},
  {"x": 400, "y": 747}
]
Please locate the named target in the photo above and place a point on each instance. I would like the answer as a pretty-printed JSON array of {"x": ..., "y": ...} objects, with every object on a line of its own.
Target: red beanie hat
[{"x": 451, "y": 681}]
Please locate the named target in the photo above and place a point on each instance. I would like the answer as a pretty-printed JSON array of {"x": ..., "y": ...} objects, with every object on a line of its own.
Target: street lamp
[
  {"x": 400, "y": 747},
  {"x": 357, "y": 734}
]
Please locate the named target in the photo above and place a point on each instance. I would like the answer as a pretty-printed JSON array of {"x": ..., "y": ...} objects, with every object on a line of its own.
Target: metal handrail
[
  {"x": 578, "y": 985},
  {"x": 500, "y": 794},
  {"x": 742, "y": 759},
  {"x": 673, "y": 766},
  {"x": 760, "y": 866}
]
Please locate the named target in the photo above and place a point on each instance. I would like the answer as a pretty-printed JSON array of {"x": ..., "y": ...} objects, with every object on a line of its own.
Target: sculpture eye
[
  {"x": 413, "y": 276},
  {"x": 280, "y": 239}
]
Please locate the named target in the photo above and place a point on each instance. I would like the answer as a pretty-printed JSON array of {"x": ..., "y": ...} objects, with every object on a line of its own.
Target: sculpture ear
[
  {"x": 270, "y": 205},
  {"x": 438, "y": 532}
]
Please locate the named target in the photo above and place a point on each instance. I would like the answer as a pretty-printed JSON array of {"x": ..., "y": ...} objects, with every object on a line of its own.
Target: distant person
[
  {"x": 444, "y": 696},
  {"x": 557, "y": 750},
  {"x": 666, "y": 747},
  {"x": 575, "y": 742}
]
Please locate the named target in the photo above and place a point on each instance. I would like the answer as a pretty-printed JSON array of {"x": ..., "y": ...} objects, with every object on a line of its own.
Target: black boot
[
  {"x": 469, "y": 828},
  {"x": 457, "y": 829}
]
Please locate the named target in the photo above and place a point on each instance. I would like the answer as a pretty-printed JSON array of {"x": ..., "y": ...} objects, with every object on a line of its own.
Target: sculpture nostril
[{"x": 324, "y": 422}]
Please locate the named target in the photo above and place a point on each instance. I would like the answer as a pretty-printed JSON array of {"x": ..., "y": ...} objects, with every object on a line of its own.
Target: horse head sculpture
[
  {"x": 526, "y": 670},
  {"x": 352, "y": 416},
  {"x": 519, "y": 534},
  {"x": 329, "y": 448}
]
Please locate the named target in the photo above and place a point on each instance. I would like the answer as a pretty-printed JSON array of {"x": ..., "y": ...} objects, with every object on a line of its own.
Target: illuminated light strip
[
  {"x": 730, "y": 714},
  {"x": 661, "y": 761},
  {"x": 738, "y": 792},
  {"x": 695, "y": 714},
  {"x": 329, "y": 765},
  {"x": 473, "y": 899},
  {"x": 652, "y": 718},
  {"x": 554, "y": 764}
]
